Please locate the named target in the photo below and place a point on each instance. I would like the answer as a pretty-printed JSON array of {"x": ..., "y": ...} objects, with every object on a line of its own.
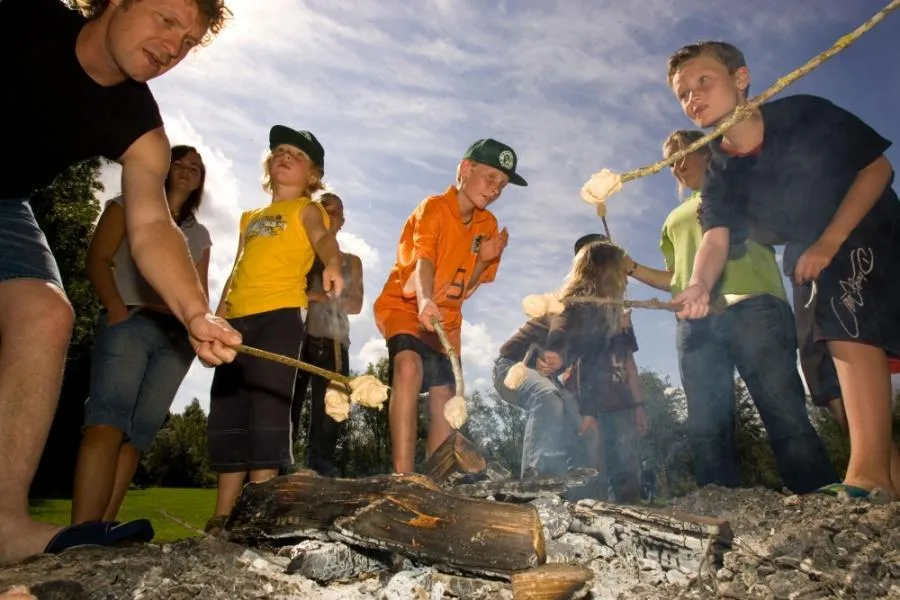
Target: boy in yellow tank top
[{"x": 249, "y": 426}]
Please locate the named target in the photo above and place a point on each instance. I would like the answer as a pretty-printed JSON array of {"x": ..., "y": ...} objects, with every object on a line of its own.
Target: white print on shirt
[
  {"x": 862, "y": 261},
  {"x": 265, "y": 226}
]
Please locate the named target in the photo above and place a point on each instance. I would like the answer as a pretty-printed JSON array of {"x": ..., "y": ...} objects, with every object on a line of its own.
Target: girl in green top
[{"x": 754, "y": 334}]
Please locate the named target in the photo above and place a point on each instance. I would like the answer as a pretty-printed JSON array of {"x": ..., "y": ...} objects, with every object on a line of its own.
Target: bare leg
[
  {"x": 403, "y": 409},
  {"x": 95, "y": 472},
  {"x": 438, "y": 429},
  {"x": 866, "y": 388},
  {"x": 230, "y": 485},
  {"x": 129, "y": 457},
  {"x": 263, "y": 475},
  {"x": 35, "y": 325},
  {"x": 836, "y": 407}
]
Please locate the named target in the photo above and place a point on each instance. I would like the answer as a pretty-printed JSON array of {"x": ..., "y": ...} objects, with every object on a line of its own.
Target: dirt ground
[{"x": 785, "y": 547}]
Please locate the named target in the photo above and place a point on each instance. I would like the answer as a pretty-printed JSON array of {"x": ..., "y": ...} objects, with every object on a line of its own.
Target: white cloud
[
  {"x": 479, "y": 349},
  {"x": 372, "y": 351},
  {"x": 354, "y": 244}
]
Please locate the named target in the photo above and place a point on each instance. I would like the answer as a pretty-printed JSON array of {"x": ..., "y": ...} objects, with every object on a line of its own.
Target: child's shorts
[
  {"x": 815, "y": 361},
  {"x": 858, "y": 294},
  {"x": 249, "y": 425},
  {"x": 436, "y": 367}
]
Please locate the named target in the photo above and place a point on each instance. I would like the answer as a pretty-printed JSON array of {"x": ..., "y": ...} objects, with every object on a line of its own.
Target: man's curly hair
[{"x": 215, "y": 11}]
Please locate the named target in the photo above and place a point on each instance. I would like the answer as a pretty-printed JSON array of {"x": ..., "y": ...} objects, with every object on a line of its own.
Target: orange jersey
[{"x": 434, "y": 231}]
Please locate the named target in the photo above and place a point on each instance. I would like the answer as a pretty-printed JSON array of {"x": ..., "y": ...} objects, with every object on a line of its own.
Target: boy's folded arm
[
  {"x": 482, "y": 273},
  {"x": 862, "y": 196}
]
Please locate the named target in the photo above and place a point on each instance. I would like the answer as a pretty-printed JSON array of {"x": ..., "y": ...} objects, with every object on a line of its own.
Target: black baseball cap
[
  {"x": 498, "y": 155},
  {"x": 589, "y": 239},
  {"x": 306, "y": 141}
]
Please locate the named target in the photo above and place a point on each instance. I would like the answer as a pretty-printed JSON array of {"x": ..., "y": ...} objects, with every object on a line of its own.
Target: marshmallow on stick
[
  {"x": 538, "y": 305},
  {"x": 517, "y": 373},
  {"x": 337, "y": 403},
  {"x": 368, "y": 391},
  {"x": 455, "y": 410},
  {"x": 365, "y": 390},
  {"x": 605, "y": 183}
]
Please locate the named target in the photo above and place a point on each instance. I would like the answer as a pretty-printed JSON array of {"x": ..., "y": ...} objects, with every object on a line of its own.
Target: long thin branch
[
  {"x": 715, "y": 307},
  {"x": 451, "y": 354},
  {"x": 745, "y": 110},
  {"x": 293, "y": 362}
]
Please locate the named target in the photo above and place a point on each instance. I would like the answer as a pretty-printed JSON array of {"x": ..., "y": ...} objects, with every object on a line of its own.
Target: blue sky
[{"x": 397, "y": 90}]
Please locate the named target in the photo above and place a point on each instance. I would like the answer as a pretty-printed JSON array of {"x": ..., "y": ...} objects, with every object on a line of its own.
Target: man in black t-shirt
[{"x": 75, "y": 88}]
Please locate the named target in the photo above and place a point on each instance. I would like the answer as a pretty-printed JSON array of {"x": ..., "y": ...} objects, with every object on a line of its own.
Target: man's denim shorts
[{"x": 24, "y": 252}]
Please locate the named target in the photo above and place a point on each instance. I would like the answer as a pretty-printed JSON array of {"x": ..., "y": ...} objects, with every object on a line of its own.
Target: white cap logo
[
  {"x": 306, "y": 135},
  {"x": 507, "y": 160}
]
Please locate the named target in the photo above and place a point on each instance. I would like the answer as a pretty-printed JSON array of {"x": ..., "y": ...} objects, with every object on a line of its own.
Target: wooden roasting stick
[
  {"x": 741, "y": 112},
  {"x": 716, "y": 307},
  {"x": 333, "y": 305},
  {"x": 451, "y": 354},
  {"x": 293, "y": 362}
]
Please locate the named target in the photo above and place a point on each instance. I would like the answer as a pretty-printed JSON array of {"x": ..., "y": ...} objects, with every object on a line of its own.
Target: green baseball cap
[
  {"x": 498, "y": 155},
  {"x": 306, "y": 141}
]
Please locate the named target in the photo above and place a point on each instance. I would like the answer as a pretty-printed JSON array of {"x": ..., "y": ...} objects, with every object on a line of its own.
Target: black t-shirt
[
  {"x": 789, "y": 192},
  {"x": 54, "y": 115}
]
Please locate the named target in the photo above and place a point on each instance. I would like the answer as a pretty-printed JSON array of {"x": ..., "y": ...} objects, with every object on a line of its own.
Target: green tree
[
  {"x": 497, "y": 428},
  {"x": 179, "y": 456},
  {"x": 665, "y": 447},
  {"x": 66, "y": 211}
]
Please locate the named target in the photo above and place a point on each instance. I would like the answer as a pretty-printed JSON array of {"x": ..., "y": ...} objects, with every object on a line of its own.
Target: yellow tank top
[{"x": 271, "y": 271}]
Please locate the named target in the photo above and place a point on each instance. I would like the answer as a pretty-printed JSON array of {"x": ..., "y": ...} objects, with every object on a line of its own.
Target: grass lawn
[{"x": 192, "y": 506}]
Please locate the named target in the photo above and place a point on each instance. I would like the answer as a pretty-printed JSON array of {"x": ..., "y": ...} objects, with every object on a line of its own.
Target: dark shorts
[
  {"x": 24, "y": 252},
  {"x": 436, "y": 368},
  {"x": 249, "y": 426},
  {"x": 815, "y": 361},
  {"x": 858, "y": 293}
]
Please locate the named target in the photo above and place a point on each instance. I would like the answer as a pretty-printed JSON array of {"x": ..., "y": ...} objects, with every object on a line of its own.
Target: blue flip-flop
[
  {"x": 833, "y": 489},
  {"x": 100, "y": 533}
]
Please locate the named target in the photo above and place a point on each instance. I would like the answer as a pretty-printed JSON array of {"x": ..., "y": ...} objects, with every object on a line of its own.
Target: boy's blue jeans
[{"x": 756, "y": 335}]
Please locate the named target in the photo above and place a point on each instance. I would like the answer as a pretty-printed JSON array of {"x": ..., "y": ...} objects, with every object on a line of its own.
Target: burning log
[
  {"x": 668, "y": 538},
  {"x": 454, "y": 533},
  {"x": 523, "y": 490},
  {"x": 286, "y": 509},
  {"x": 552, "y": 582},
  {"x": 455, "y": 458},
  {"x": 326, "y": 562},
  {"x": 408, "y": 514}
]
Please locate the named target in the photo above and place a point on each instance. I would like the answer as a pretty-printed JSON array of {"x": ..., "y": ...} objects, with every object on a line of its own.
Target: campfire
[{"x": 469, "y": 521}]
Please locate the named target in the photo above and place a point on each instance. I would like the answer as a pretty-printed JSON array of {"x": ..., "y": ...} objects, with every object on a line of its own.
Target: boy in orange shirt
[{"x": 448, "y": 247}]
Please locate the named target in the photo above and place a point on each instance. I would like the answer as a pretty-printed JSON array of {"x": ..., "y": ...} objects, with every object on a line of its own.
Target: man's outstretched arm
[{"x": 161, "y": 252}]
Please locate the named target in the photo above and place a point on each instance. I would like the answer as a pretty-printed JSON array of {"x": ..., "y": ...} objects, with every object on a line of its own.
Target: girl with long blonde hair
[{"x": 549, "y": 345}]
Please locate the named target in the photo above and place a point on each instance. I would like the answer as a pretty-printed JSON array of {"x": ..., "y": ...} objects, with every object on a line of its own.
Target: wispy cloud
[{"x": 396, "y": 91}]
